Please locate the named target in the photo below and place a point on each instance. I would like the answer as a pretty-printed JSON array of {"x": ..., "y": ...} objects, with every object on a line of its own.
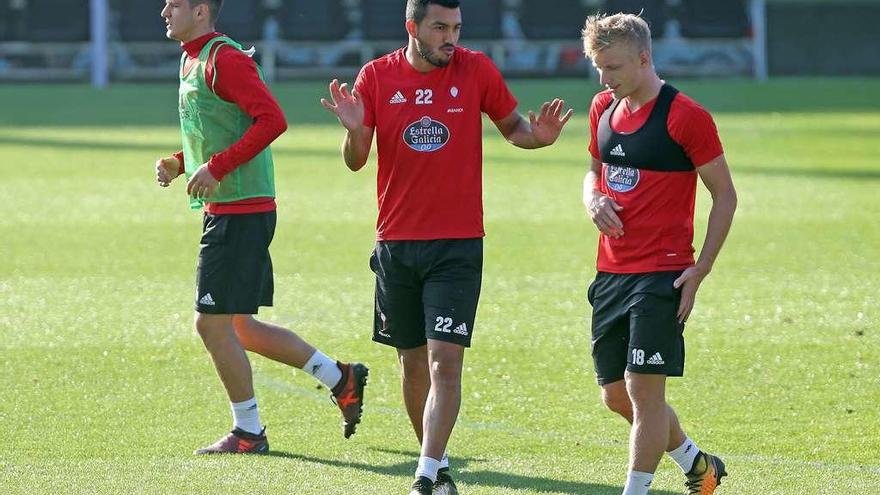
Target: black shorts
[
  {"x": 426, "y": 290},
  {"x": 635, "y": 326},
  {"x": 234, "y": 275}
]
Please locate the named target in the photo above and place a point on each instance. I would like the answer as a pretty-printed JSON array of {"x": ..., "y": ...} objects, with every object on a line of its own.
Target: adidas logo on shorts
[
  {"x": 618, "y": 151},
  {"x": 461, "y": 329},
  {"x": 207, "y": 300},
  {"x": 656, "y": 359}
]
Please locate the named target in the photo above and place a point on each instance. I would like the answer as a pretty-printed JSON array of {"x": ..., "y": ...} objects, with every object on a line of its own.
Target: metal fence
[{"x": 124, "y": 39}]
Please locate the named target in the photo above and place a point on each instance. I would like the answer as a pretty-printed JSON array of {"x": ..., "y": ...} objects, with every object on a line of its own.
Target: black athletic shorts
[
  {"x": 635, "y": 326},
  {"x": 426, "y": 290},
  {"x": 234, "y": 275}
]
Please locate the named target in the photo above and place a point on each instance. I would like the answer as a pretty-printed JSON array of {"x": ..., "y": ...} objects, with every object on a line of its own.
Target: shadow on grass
[
  {"x": 829, "y": 173},
  {"x": 84, "y": 144},
  {"x": 155, "y": 104},
  {"x": 331, "y": 152},
  {"x": 472, "y": 477}
]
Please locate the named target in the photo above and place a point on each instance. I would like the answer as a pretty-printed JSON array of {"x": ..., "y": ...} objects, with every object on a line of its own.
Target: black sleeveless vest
[{"x": 648, "y": 148}]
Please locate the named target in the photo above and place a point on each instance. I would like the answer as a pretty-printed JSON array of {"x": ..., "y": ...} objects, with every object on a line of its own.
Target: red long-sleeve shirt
[{"x": 238, "y": 81}]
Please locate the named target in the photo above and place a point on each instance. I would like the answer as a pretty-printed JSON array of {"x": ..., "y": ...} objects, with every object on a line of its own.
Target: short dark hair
[
  {"x": 418, "y": 9},
  {"x": 214, "y": 7}
]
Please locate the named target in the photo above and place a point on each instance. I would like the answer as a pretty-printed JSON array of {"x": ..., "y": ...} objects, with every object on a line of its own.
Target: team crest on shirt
[
  {"x": 426, "y": 135},
  {"x": 621, "y": 179}
]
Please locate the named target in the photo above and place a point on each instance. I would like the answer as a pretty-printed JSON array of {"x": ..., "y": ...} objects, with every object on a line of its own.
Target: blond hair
[{"x": 603, "y": 30}]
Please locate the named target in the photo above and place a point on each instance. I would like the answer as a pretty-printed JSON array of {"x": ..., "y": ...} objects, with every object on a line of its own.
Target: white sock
[
  {"x": 685, "y": 454},
  {"x": 246, "y": 416},
  {"x": 444, "y": 461},
  {"x": 428, "y": 467},
  {"x": 324, "y": 369},
  {"x": 637, "y": 483}
]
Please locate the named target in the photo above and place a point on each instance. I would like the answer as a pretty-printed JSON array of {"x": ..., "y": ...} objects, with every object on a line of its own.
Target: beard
[{"x": 428, "y": 54}]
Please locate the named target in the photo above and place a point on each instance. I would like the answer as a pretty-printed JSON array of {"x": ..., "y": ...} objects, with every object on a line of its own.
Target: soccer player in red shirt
[
  {"x": 649, "y": 143},
  {"x": 229, "y": 118},
  {"x": 424, "y": 102}
]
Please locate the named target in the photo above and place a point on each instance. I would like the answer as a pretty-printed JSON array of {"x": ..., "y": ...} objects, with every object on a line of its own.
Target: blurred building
[{"x": 49, "y": 39}]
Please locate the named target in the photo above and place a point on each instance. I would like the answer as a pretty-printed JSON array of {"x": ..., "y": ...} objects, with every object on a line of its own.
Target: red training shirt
[
  {"x": 658, "y": 213},
  {"x": 430, "y": 142}
]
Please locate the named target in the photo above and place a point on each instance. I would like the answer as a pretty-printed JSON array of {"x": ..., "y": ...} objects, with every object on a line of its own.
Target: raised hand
[
  {"x": 347, "y": 107},
  {"x": 548, "y": 124}
]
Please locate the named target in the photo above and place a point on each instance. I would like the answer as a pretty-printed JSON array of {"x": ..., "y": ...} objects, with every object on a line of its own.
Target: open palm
[
  {"x": 347, "y": 107},
  {"x": 548, "y": 124}
]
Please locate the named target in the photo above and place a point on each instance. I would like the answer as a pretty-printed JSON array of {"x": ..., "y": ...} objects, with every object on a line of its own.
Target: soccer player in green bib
[{"x": 228, "y": 119}]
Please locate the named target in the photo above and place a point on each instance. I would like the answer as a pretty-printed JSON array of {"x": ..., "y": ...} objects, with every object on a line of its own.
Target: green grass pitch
[{"x": 107, "y": 389}]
